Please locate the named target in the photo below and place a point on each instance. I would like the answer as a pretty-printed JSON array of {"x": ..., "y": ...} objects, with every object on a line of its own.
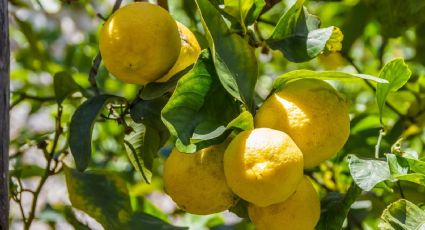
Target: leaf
[
  {"x": 335, "y": 208},
  {"x": 154, "y": 90},
  {"x": 285, "y": 78},
  {"x": 368, "y": 172},
  {"x": 408, "y": 169},
  {"x": 297, "y": 34},
  {"x": 402, "y": 214},
  {"x": 144, "y": 221},
  {"x": 199, "y": 105},
  {"x": 26, "y": 171},
  {"x": 234, "y": 58},
  {"x": 148, "y": 112},
  {"x": 81, "y": 128},
  {"x": 64, "y": 86},
  {"x": 142, "y": 146},
  {"x": 102, "y": 195},
  {"x": 246, "y": 11},
  {"x": 244, "y": 121},
  {"x": 397, "y": 73}
]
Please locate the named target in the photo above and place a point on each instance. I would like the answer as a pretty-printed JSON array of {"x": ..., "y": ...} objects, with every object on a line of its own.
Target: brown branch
[{"x": 4, "y": 114}]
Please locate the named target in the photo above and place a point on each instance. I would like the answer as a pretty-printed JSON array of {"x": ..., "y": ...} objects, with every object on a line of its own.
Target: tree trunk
[{"x": 4, "y": 114}]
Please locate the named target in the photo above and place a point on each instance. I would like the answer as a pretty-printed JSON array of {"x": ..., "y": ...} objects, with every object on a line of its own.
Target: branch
[
  {"x": 4, "y": 114},
  {"x": 96, "y": 62}
]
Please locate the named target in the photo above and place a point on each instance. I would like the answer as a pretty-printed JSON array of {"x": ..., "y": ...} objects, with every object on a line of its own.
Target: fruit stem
[{"x": 378, "y": 143}]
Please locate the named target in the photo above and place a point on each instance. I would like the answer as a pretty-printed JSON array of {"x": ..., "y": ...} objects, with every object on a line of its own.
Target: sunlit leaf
[
  {"x": 402, "y": 215},
  {"x": 245, "y": 11},
  {"x": 285, "y": 78},
  {"x": 408, "y": 169},
  {"x": 234, "y": 58},
  {"x": 200, "y": 105},
  {"x": 397, "y": 73},
  {"x": 145, "y": 221},
  {"x": 368, "y": 172},
  {"x": 102, "y": 195},
  {"x": 81, "y": 128}
]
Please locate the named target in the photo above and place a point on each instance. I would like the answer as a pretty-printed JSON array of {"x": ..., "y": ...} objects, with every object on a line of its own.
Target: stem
[
  {"x": 23, "y": 96},
  {"x": 401, "y": 190},
  {"x": 378, "y": 143},
  {"x": 98, "y": 59}
]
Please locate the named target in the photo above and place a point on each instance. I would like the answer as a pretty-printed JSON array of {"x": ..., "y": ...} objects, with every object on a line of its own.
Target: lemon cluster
[
  {"x": 142, "y": 43},
  {"x": 297, "y": 127}
]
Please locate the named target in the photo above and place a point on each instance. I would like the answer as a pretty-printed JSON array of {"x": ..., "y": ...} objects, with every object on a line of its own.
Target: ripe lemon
[
  {"x": 263, "y": 166},
  {"x": 189, "y": 52},
  {"x": 196, "y": 181},
  {"x": 313, "y": 114},
  {"x": 301, "y": 211},
  {"x": 139, "y": 43}
]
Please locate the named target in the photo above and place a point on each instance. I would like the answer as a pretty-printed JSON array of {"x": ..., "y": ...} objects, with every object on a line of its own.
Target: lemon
[
  {"x": 196, "y": 181},
  {"x": 313, "y": 114},
  {"x": 301, "y": 211},
  {"x": 263, "y": 166},
  {"x": 189, "y": 52},
  {"x": 139, "y": 43}
]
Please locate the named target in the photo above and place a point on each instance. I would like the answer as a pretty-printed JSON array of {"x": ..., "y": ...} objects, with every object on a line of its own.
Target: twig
[
  {"x": 163, "y": 4},
  {"x": 400, "y": 189},
  {"x": 378, "y": 143},
  {"x": 96, "y": 62},
  {"x": 24, "y": 96}
]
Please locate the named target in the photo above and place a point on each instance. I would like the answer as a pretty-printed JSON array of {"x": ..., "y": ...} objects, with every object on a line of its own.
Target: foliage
[{"x": 72, "y": 122}]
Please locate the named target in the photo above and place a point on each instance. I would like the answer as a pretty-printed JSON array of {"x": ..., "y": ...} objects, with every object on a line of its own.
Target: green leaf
[
  {"x": 234, "y": 58},
  {"x": 148, "y": 112},
  {"x": 368, "y": 172},
  {"x": 297, "y": 34},
  {"x": 26, "y": 171},
  {"x": 244, "y": 121},
  {"x": 408, "y": 169},
  {"x": 285, "y": 78},
  {"x": 154, "y": 90},
  {"x": 397, "y": 73},
  {"x": 246, "y": 11},
  {"x": 64, "y": 86},
  {"x": 144, "y": 221},
  {"x": 142, "y": 146},
  {"x": 402, "y": 215},
  {"x": 81, "y": 128},
  {"x": 200, "y": 105},
  {"x": 335, "y": 208},
  {"x": 102, "y": 195}
]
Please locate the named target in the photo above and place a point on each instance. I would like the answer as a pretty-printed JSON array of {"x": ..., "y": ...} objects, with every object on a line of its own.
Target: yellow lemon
[
  {"x": 301, "y": 211},
  {"x": 139, "y": 43},
  {"x": 196, "y": 181},
  {"x": 263, "y": 166},
  {"x": 189, "y": 52},
  {"x": 313, "y": 114}
]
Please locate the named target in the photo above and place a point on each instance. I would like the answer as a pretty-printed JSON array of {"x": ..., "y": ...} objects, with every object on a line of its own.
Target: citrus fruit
[
  {"x": 263, "y": 166},
  {"x": 189, "y": 52},
  {"x": 301, "y": 211},
  {"x": 139, "y": 43},
  {"x": 196, "y": 181},
  {"x": 313, "y": 114}
]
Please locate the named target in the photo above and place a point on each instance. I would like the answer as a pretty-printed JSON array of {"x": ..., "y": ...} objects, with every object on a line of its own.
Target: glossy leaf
[
  {"x": 335, "y": 208},
  {"x": 368, "y": 172},
  {"x": 245, "y": 11},
  {"x": 103, "y": 196},
  {"x": 285, "y": 78},
  {"x": 408, "y": 169},
  {"x": 199, "y": 104},
  {"x": 244, "y": 121},
  {"x": 402, "y": 215},
  {"x": 298, "y": 36},
  {"x": 234, "y": 58},
  {"x": 397, "y": 73},
  {"x": 64, "y": 86},
  {"x": 81, "y": 128},
  {"x": 142, "y": 146}
]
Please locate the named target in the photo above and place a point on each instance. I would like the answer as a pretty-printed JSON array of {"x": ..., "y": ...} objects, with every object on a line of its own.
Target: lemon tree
[{"x": 200, "y": 114}]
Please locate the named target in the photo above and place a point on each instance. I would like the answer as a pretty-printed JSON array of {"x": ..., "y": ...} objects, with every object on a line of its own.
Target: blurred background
[{"x": 49, "y": 36}]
